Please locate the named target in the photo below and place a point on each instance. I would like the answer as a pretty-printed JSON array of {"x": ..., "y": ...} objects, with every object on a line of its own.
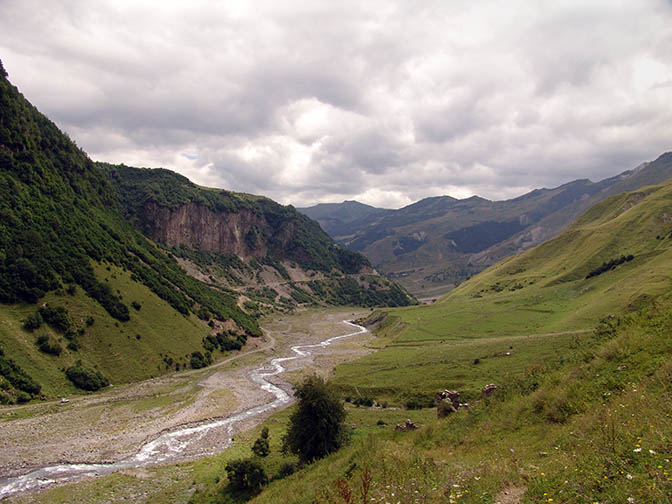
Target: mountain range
[{"x": 433, "y": 245}]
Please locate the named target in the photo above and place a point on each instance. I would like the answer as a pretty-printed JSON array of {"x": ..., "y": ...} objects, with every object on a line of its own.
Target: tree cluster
[{"x": 609, "y": 265}]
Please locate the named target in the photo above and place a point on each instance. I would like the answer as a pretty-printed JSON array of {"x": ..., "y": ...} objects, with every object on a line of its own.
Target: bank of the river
[{"x": 112, "y": 426}]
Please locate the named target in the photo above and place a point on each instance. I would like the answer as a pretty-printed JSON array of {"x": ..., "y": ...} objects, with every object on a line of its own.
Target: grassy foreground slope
[{"x": 592, "y": 428}]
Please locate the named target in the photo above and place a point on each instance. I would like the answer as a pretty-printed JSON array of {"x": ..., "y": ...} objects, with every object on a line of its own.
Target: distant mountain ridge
[
  {"x": 336, "y": 218},
  {"x": 436, "y": 243}
]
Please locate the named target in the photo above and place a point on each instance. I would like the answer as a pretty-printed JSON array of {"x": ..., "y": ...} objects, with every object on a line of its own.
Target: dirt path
[{"x": 112, "y": 425}]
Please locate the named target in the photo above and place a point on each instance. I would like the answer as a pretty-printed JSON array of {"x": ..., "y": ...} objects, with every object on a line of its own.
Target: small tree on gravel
[{"x": 316, "y": 427}]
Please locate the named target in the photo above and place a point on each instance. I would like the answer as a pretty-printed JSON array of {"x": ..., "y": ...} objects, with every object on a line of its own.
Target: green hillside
[
  {"x": 575, "y": 334},
  {"x": 591, "y": 425},
  {"x": 436, "y": 243},
  {"x": 541, "y": 292},
  {"x": 89, "y": 287},
  {"x": 636, "y": 224},
  {"x": 62, "y": 243}
]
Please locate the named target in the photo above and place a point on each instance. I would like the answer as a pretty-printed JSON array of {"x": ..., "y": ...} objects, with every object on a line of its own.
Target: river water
[{"x": 170, "y": 446}]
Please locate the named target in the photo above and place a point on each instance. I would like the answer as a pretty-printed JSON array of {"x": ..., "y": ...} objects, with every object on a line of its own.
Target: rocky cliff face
[
  {"x": 200, "y": 228},
  {"x": 272, "y": 255}
]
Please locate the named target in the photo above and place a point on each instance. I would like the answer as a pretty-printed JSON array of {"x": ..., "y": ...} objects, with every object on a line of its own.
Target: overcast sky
[{"x": 380, "y": 101}]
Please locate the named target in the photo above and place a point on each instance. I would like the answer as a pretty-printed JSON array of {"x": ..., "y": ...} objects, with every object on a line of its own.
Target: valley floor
[{"x": 111, "y": 425}]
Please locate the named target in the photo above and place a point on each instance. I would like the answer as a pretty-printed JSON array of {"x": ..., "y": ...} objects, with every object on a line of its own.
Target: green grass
[
  {"x": 108, "y": 345},
  {"x": 570, "y": 433},
  {"x": 402, "y": 372}
]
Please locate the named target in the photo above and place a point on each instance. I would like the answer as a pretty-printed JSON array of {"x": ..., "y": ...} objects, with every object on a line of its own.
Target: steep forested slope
[{"x": 59, "y": 227}]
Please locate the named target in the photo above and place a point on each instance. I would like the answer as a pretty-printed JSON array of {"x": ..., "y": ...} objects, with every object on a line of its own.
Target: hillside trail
[{"x": 175, "y": 417}]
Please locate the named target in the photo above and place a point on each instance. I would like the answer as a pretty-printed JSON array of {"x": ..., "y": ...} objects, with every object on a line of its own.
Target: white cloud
[{"x": 386, "y": 102}]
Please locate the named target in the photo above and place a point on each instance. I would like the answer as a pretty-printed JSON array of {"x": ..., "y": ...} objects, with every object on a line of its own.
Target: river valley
[{"x": 172, "y": 418}]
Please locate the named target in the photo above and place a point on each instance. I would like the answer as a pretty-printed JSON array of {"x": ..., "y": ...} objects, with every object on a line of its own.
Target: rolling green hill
[{"x": 539, "y": 292}]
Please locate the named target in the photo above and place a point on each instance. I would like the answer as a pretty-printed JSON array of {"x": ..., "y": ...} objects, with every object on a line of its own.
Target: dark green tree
[
  {"x": 246, "y": 475},
  {"x": 261, "y": 447},
  {"x": 316, "y": 427}
]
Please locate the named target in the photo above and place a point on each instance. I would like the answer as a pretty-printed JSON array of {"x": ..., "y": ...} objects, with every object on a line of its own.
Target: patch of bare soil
[{"x": 510, "y": 495}]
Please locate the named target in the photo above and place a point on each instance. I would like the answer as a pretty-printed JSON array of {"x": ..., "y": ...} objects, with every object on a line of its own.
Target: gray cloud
[{"x": 385, "y": 101}]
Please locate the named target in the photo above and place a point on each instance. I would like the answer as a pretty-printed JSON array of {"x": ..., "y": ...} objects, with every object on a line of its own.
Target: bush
[
  {"x": 22, "y": 397},
  {"x": 246, "y": 475},
  {"x": 261, "y": 447},
  {"x": 316, "y": 427},
  {"x": 230, "y": 341},
  {"x": 47, "y": 346},
  {"x": 204, "y": 313},
  {"x": 609, "y": 265},
  {"x": 33, "y": 322},
  {"x": 286, "y": 469},
  {"x": 17, "y": 376},
  {"x": 198, "y": 360},
  {"x": 86, "y": 378},
  {"x": 6, "y": 398},
  {"x": 58, "y": 317},
  {"x": 363, "y": 401}
]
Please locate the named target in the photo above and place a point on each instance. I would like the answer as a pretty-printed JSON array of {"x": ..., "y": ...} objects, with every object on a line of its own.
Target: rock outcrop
[
  {"x": 447, "y": 402},
  {"x": 408, "y": 425}
]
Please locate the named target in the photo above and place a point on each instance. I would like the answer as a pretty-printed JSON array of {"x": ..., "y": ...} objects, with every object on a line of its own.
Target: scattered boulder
[
  {"x": 409, "y": 425},
  {"x": 489, "y": 389},
  {"x": 447, "y": 402}
]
